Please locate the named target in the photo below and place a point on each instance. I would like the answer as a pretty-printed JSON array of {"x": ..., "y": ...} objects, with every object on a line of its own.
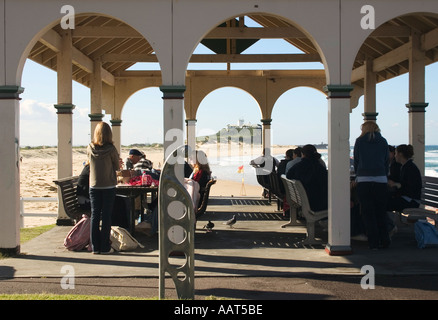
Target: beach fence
[{"x": 35, "y": 214}]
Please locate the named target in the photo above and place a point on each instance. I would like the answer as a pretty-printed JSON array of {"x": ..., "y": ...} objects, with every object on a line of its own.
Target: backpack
[
  {"x": 78, "y": 237},
  {"x": 425, "y": 234},
  {"x": 121, "y": 240}
]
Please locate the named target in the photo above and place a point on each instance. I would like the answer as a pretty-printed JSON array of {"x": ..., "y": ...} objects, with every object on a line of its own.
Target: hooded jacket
[
  {"x": 371, "y": 156},
  {"x": 104, "y": 162}
]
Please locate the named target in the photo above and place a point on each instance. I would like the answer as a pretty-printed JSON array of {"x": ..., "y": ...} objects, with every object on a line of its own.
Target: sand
[{"x": 39, "y": 168}]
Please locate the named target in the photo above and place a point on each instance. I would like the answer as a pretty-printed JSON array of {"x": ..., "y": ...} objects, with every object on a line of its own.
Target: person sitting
[
  {"x": 283, "y": 163},
  {"x": 296, "y": 157},
  {"x": 83, "y": 187},
  {"x": 201, "y": 171},
  {"x": 313, "y": 176},
  {"x": 265, "y": 161},
  {"x": 408, "y": 190},
  {"x": 133, "y": 157},
  {"x": 143, "y": 163},
  {"x": 394, "y": 166}
]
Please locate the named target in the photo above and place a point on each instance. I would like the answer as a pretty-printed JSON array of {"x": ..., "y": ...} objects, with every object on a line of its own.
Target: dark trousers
[
  {"x": 102, "y": 204},
  {"x": 372, "y": 198}
]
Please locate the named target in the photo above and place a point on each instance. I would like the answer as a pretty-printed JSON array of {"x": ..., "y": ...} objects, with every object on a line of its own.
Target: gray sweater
[{"x": 104, "y": 162}]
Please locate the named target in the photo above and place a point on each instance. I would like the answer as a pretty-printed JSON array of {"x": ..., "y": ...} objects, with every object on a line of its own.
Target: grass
[
  {"x": 49, "y": 296},
  {"x": 27, "y": 234}
]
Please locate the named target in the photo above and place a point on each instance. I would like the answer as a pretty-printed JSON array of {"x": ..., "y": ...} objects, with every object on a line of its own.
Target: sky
[{"x": 299, "y": 116}]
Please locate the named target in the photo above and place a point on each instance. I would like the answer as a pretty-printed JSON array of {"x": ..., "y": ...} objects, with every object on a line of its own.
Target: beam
[
  {"x": 255, "y": 33},
  {"x": 218, "y": 58},
  {"x": 53, "y": 40},
  {"x": 428, "y": 41},
  {"x": 383, "y": 62},
  {"x": 105, "y": 32}
]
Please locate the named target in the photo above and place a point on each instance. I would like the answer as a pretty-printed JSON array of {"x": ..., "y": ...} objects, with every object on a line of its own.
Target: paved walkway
[{"x": 256, "y": 248}]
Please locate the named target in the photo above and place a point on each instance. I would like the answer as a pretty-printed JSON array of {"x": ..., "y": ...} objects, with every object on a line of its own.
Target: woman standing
[
  {"x": 371, "y": 159},
  {"x": 104, "y": 162}
]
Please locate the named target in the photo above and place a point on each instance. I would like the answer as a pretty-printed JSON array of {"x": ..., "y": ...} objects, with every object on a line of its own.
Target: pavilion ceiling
[{"x": 119, "y": 46}]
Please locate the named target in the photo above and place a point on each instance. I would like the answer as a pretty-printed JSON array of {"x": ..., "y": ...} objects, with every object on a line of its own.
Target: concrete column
[
  {"x": 417, "y": 105},
  {"x": 116, "y": 128},
  {"x": 370, "y": 113},
  {"x": 96, "y": 95},
  {"x": 191, "y": 133},
  {"x": 266, "y": 136},
  {"x": 338, "y": 169},
  {"x": 10, "y": 172},
  {"x": 173, "y": 117},
  {"x": 64, "y": 109}
]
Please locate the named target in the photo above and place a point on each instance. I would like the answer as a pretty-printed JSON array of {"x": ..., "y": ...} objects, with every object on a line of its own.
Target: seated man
[
  {"x": 143, "y": 163},
  {"x": 133, "y": 157}
]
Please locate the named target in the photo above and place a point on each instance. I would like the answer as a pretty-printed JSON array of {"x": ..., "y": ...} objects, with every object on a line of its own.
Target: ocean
[{"x": 226, "y": 168}]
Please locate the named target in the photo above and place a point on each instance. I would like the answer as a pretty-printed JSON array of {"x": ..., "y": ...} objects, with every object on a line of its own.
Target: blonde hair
[
  {"x": 102, "y": 134},
  {"x": 369, "y": 127}
]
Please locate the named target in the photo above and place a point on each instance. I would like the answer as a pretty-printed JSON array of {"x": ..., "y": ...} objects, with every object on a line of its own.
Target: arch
[
  {"x": 245, "y": 97},
  {"x": 298, "y": 19},
  {"x": 356, "y": 37},
  {"x": 49, "y": 19},
  {"x": 203, "y": 88},
  {"x": 293, "y": 108},
  {"x": 142, "y": 123},
  {"x": 126, "y": 87}
]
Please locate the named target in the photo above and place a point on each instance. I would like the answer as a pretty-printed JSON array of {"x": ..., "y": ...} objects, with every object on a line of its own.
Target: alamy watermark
[
  {"x": 369, "y": 278},
  {"x": 68, "y": 280},
  {"x": 368, "y": 21}
]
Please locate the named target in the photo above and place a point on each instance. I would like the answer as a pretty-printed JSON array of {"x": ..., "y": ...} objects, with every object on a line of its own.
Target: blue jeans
[
  {"x": 372, "y": 198},
  {"x": 102, "y": 204}
]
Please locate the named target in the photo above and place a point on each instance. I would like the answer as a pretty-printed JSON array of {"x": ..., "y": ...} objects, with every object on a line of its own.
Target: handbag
[{"x": 122, "y": 240}]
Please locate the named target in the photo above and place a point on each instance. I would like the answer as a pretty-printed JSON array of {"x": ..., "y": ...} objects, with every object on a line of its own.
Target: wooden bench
[
  {"x": 70, "y": 202},
  {"x": 428, "y": 206},
  {"x": 204, "y": 201},
  {"x": 271, "y": 183},
  {"x": 297, "y": 196}
]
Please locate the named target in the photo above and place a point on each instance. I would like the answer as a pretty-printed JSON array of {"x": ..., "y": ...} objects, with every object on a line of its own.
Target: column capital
[
  {"x": 96, "y": 116},
  {"x": 266, "y": 121},
  {"x": 11, "y": 92},
  {"x": 417, "y": 106},
  {"x": 173, "y": 92},
  {"x": 116, "y": 122},
  {"x": 338, "y": 91},
  {"x": 370, "y": 116},
  {"x": 64, "y": 108},
  {"x": 191, "y": 121}
]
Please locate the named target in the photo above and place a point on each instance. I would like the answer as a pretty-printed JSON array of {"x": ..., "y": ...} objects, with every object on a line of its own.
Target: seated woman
[
  {"x": 408, "y": 191},
  {"x": 83, "y": 187},
  {"x": 201, "y": 171},
  {"x": 313, "y": 176}
]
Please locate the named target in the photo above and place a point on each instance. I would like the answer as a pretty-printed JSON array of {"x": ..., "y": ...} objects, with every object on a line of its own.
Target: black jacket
[
  {"x": 314, "y": 178},
  {"x": 410, "y": 180}
]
